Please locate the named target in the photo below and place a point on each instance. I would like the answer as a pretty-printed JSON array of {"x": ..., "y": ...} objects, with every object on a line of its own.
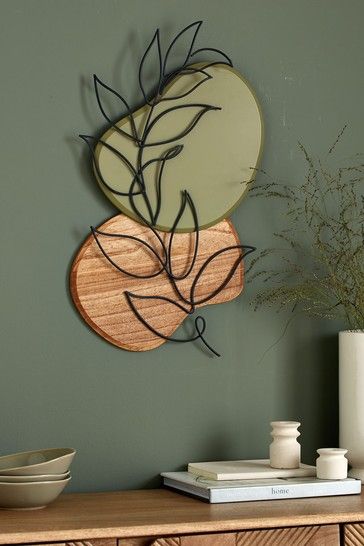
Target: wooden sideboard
[{"x": 165, "y": 518}]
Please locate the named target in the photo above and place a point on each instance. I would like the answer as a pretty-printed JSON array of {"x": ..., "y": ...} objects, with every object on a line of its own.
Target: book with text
[
  {"x": 258, "y": 489},
  {"x": 252, "y": 469}
]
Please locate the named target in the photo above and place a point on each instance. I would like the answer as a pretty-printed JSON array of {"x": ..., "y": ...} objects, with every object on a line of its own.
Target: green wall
[{"x": 131, "y": 416}]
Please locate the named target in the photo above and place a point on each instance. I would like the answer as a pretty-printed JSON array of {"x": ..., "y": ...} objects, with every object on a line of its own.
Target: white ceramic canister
[
  {"x": 285, "y": 451},
  {"x": 351, "y": 399},
  {"x": 332, "y": 463}
]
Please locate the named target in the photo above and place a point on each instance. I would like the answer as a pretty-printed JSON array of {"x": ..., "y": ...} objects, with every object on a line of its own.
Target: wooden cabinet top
[{"x": 162, "y": 512}]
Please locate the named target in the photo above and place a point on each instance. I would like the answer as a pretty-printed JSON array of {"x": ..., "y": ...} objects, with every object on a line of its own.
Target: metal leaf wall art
[{"x": 143, "y": 272}]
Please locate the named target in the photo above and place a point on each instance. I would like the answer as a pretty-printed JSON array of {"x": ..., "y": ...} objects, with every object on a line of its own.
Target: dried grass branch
[{"x": 322, "y": 263}]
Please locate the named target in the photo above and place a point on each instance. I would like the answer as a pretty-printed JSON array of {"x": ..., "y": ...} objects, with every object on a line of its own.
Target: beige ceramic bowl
[
  {"x": 30, "y": 495},
  {"x": 34, "y": 478},
  {"x": 42, "y": 461}
]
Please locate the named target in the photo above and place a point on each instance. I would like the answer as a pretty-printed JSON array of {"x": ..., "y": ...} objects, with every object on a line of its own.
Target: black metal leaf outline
[
  {"x": 202, "y": 110},
  {"x": 200, "y": 330},
  {"x": 125, "y": 161},
  {"x": 214, "y": 50},
  {"x": 97, "y": 232},
  {"x": 167, "y": 155},
  {"x": 185, "y": 201},
  {"x": 97, "y": 84},
  {"x": 194, "y": 28},
  {"x": 154, "y": 45},
  {"x": 245, "y": 251},
  {"x": 188, "y": 71}
]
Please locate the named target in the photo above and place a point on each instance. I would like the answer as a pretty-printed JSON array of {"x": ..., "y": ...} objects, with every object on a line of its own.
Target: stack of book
[{"x": 237, "y": 481}]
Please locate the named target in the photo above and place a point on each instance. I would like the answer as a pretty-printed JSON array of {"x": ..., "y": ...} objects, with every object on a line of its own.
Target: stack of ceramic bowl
[{"x": 34, "y": 479}]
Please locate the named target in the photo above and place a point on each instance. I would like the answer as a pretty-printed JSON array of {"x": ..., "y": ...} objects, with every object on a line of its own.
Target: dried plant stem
[{"x": 321, "y": 268}]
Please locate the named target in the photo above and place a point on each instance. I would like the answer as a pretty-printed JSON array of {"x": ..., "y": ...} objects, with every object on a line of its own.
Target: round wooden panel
[{"x": 98, "y": 288}]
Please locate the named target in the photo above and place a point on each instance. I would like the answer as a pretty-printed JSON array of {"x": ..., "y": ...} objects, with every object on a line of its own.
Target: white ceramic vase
[
  {"x": 351, "y": 399},
  {"x": 332, "y": 464},
  {"x": 285, "y": 451}
]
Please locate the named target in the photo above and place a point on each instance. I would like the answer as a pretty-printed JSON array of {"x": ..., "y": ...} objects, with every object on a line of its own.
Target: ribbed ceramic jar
[
  {"x": 332, "y": 463},
  {"x": 285, "y": 451},
  {"x": 351, "y": 399}
]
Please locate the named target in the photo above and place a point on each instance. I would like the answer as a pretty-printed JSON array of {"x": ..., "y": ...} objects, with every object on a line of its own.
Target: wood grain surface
[
  {"x": 354, "y": 534},
  {"x": 311, "y": 535},
  {"x": 96, "y": 542},
  {"x": 97, "y": 287},
  {"x": 162, "y": 513},
  {"x": 327, "y": 535}
]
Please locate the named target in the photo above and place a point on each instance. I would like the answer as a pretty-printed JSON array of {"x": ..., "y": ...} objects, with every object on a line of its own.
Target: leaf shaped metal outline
[
  {"x": 204, "y": 108},
  {"x": 196, "y": 25},
  {"x": 200, "y": 330},
  {"x": 97, "y": 83},
  {"x": 186, "y": 200},
  {"x": 228, "y": 277},
  {"x": 155, "y": 41},
  {"x": 122, "y": 157},
  {"x": 95, "y": 232}
]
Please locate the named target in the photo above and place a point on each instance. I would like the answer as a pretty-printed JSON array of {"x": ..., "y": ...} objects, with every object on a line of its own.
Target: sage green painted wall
[{"x": 131, "y": 416}]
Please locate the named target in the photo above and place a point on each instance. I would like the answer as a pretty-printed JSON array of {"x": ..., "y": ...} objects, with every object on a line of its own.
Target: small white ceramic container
[
  {"x": 285, "y": 451},
  {"x": 332, "y": 463}
]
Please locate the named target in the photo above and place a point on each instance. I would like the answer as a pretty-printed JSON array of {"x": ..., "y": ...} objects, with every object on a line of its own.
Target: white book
[
  {"x": 260, "y": 489},
  {"x": 246, "y": 470}
]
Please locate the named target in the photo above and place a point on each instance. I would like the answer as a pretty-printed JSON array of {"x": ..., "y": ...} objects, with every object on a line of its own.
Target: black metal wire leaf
[
  {"x": 165, "y": 299},
  {"x": 136, "y": 186},
  {"x": 199, "y": 322},
  {"x": 153, "y": 48},
  {"x": 136, "y": 209},
  {"x": 189, "y": 72},
  {"x": 98, "y": 83},
  {"x": 214, "y": 50},
  {"x": 186, "y": 200},
  {"x": 124, "y": 160},
  {"x": 245, "y": 251},
  {"x": 202, "y": 110},
  {"x": 193, "y": 29},
  {"x": 96, "y": 233},
  {"x": 171, "y": 153},
  {"x": 166, "y": 156}
]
